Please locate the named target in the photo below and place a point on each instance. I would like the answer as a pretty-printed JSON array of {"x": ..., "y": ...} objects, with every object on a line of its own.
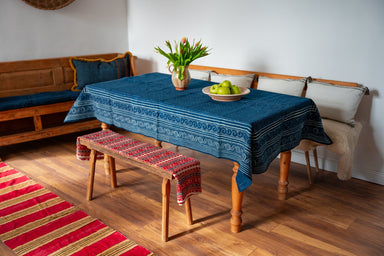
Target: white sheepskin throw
[{"x": 344, "y": 138}]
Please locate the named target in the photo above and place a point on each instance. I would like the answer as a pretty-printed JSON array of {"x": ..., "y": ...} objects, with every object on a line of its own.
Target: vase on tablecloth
[
  {"x": 180, "y": 77},
  {"x": 179, "y": 58}
]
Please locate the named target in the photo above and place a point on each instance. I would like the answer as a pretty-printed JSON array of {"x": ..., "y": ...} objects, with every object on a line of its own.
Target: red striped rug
[{"x": 34, "y": 221}]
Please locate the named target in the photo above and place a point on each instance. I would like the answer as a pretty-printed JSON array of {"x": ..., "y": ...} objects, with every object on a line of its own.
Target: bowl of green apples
[{"x": 225, "y": 91}]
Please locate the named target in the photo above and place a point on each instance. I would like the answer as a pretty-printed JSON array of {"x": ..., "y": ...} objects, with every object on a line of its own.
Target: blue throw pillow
[{"x": 89, "y": 71}]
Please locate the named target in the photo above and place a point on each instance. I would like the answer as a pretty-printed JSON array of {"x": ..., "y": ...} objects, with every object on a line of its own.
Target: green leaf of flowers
[{"x": 183, "y": 54}]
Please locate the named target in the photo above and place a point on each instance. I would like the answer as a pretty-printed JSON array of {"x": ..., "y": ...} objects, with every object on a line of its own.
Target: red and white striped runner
[{"x": 34, "y": 221}]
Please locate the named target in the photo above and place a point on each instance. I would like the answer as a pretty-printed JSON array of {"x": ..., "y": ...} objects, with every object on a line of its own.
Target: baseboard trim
[{"x": 328, "y": 162}]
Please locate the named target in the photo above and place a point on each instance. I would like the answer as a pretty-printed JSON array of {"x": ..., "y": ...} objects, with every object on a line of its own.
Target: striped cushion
[{"x": 185, "y": 170}]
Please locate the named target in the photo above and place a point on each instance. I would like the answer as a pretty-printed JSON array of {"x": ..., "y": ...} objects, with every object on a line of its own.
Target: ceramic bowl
[{"x": 226, "y": 97}]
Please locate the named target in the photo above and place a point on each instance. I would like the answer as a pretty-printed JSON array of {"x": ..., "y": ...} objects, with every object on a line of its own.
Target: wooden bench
[
  {"x": 30, "y": 77},
  {"x": 343, "y": 135},
  {"x": 148, "y": 157}
]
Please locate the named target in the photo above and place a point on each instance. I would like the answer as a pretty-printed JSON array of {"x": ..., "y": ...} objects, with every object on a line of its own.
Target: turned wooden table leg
[
  {"x": 158, "y": 143},
  {"x": 107, "y": 167},
  {"x": 285, "y": 162},
  {"x": 237, "y": 200}
]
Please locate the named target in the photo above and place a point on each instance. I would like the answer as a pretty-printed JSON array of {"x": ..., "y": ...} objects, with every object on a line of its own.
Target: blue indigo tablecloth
[{"x": 251, "y": 131}]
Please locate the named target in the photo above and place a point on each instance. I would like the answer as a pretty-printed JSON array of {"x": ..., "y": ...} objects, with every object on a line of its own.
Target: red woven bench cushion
[{"x": 185, "y": 170}]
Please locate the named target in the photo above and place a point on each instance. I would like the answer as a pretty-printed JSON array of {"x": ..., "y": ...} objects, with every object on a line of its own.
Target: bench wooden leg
[
  {"x": 316, "y": 161},
  {"x": 91, "y": 176},
  {"x": 166, "y": 189},
  {"x": 308, "y": 167},
  {"x": 112, "y": 171},
  {"x": 188, "y": 211}
]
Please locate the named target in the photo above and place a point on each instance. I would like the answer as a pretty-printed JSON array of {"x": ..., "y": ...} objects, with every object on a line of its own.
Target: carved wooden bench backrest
[
  {"x": 228, "y": 71},
  {"x": 40, "y": 75}
]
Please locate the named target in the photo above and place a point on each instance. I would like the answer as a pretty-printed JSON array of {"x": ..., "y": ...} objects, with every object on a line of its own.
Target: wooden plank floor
[{"x": 331, "y": 217}]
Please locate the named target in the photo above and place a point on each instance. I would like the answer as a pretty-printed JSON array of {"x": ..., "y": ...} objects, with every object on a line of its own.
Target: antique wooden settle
[
  {"x": 30, "y": 77},
  {"x": 344, "y": 133}
]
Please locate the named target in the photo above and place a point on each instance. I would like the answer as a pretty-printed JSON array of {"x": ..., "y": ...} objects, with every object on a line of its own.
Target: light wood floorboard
[{"x": 330, "y": 217}]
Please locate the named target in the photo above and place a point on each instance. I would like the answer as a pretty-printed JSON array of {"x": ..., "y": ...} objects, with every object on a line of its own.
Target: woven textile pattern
[
  {"x": 251, "y": 131},
  {"x": 34, "y": 221},
  {"x": 83, "y": 153},
  {"x": 185, "y": 170}
]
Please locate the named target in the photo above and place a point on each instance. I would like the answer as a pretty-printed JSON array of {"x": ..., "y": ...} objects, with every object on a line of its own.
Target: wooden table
[{"x": 250, "y": 132}]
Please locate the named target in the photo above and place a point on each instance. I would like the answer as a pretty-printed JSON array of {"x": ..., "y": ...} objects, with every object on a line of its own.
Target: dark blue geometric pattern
[{"x": 251, "y": 131}]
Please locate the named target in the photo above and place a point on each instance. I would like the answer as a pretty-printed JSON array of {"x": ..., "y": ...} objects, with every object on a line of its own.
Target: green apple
[
  {"x": 235, "y": 89},
  {"x": 214, "y": 89},
  {"x": 223, "y": 90},
  {"x": 226, "y": 83}
]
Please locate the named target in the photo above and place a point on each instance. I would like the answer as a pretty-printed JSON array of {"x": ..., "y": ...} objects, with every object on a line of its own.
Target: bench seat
[
  {"x": 338, "y": 119},
  {"x": 344, "y": 138},
  {"x": 36, "y": 95},
  {"x": 166, "y": 164},
  {"x": 37, "y": 99}
]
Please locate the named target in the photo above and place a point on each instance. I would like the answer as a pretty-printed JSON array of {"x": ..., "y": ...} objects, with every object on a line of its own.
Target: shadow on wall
[
  {"x": 371, "y": 159},
  {"x": 368, "y": 160},
  {"x": 145, "y": 66}
]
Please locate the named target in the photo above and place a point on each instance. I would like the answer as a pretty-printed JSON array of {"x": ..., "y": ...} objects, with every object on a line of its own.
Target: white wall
[
  {"x": 339, "y": 40},
  {"x": 83, "y": 27}
]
